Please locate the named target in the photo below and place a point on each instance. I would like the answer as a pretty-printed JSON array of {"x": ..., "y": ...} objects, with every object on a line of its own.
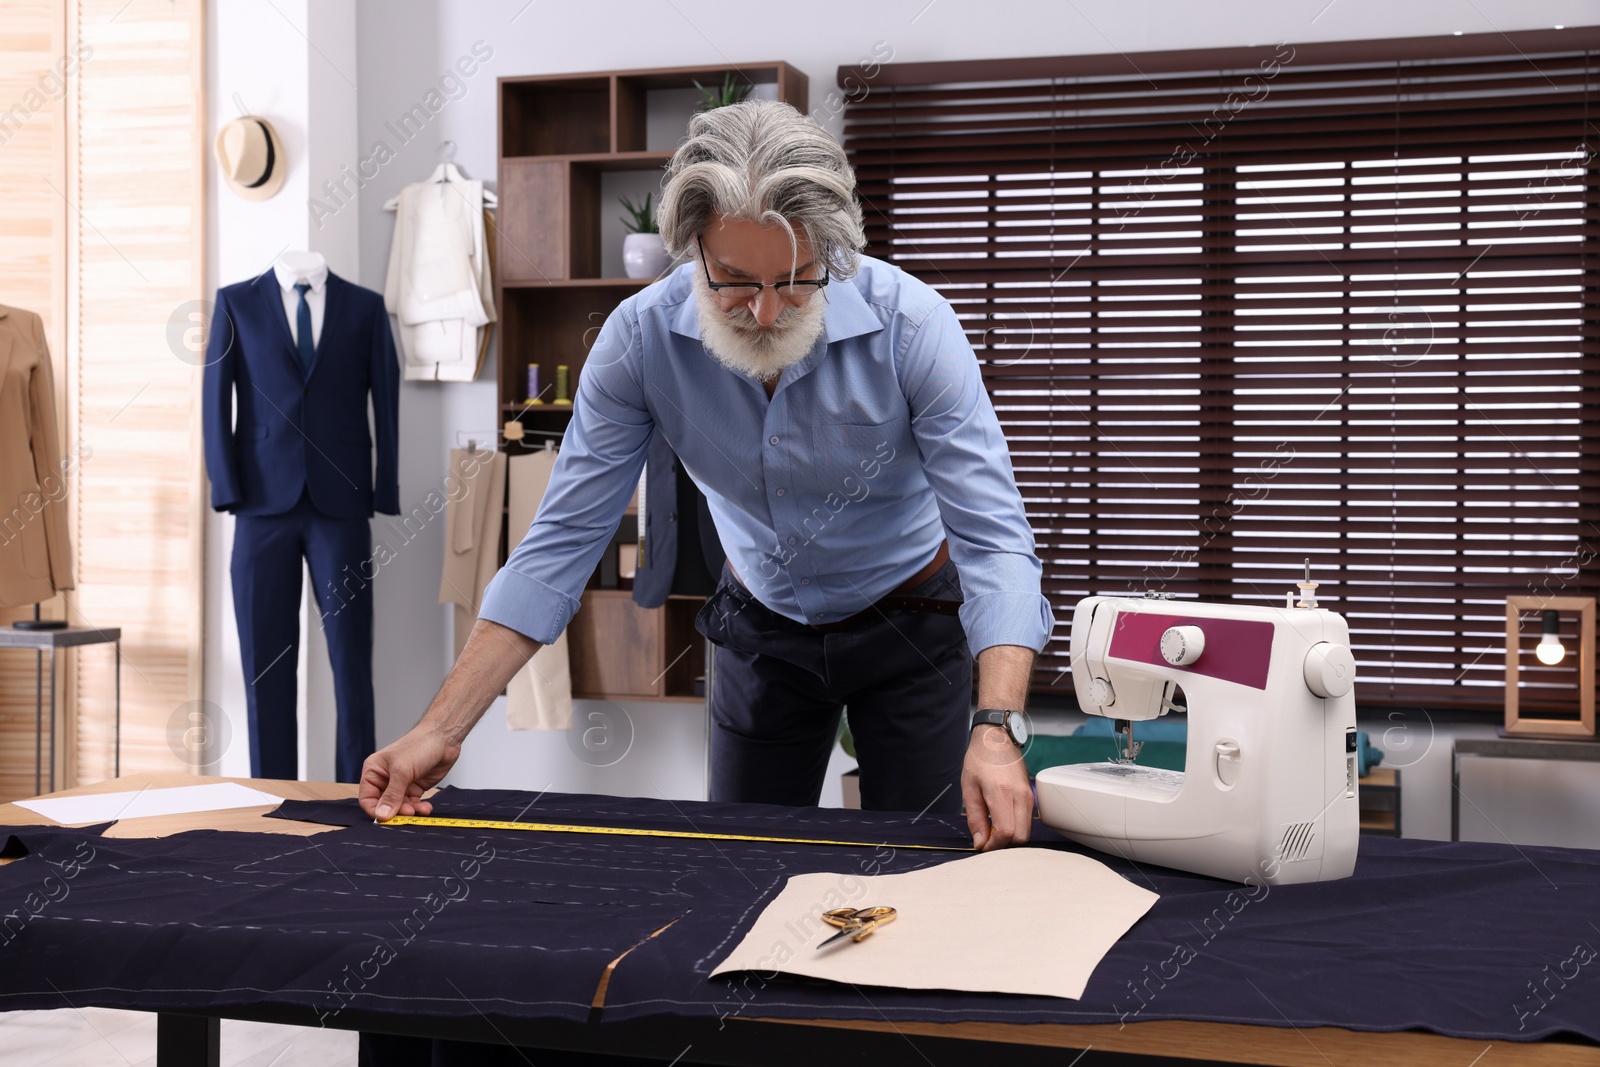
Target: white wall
[
  {"x": 295, "y": 64},
  {"x": 404, "y": 48}
]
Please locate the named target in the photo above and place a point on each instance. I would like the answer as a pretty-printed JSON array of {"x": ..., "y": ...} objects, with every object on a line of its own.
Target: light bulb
[{"x": 1550, "y": 650}]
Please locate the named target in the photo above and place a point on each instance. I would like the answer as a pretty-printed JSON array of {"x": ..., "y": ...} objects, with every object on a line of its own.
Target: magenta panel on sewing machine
[{"x": 1237, "y": 650}]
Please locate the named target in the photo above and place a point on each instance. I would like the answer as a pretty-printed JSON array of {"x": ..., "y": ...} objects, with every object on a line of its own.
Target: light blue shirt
[{"x": 876, "y": 446}]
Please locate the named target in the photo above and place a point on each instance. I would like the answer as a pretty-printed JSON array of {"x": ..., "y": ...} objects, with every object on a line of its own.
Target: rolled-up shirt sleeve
[
  {"x": 536, "y": 592},
  {"x": 968, "y": 465}
]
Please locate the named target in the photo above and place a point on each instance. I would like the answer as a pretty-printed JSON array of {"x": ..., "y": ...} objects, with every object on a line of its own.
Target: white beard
[{"x": 745, "y": 348}]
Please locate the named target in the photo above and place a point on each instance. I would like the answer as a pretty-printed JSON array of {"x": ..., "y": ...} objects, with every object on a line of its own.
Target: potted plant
[
  {"x": 850, "y": 781},
  {"x": 731, "y": 92},
  {"x": 643, "y": 254}
]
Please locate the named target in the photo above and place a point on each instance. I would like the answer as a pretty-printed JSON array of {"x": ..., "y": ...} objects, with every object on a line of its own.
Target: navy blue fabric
[
  {"x": 301, "y": 430},
  {"x": 779, "y": 686},
  {"x": 1471, "y": 940},
  {"x": 266, "y": 569}
]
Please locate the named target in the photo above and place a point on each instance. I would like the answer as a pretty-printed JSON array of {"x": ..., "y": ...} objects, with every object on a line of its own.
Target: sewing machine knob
[
  {"x": 1330, "y": 669},
  {"x": 1101, "y": 694},
  {"x": 1182, "y": 645}
]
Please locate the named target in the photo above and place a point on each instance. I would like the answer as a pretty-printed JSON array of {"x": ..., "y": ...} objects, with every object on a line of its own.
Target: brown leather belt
[{"x": 895, "y": 599}]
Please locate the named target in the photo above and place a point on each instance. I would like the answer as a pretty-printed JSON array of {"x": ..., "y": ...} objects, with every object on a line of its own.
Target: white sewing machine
[{"x": 1268, "y": 793}]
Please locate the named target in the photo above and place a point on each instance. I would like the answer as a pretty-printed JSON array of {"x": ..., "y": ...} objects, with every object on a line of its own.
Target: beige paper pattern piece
[
  {"x": 1024, "y": 920},
  {"x": 143, "y": 803}
]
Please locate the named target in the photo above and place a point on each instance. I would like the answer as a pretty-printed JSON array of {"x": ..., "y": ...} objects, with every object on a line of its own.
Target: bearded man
[{"x": 832, "y": 411}]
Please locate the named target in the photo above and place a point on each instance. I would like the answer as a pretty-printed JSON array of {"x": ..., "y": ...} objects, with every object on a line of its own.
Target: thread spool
[
  {"x": 563, "y": 394},
  {"x": 533, "y": 384}
]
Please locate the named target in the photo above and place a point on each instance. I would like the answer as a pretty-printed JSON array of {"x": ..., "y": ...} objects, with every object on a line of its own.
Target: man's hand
[
  {"x": 994, "y": 780},
  {"x": 995, "y": 787},
  {"x": 393, "y": 779}
]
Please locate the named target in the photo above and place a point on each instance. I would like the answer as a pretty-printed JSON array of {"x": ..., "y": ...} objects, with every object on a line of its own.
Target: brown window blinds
[{"x": 1236, "y": 309}]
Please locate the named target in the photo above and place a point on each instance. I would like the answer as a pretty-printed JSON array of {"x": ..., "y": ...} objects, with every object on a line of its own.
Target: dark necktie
[{"x": 302, "y": 328}]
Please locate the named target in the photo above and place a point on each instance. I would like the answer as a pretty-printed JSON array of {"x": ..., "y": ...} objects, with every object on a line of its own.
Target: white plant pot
[
  {"x": 644, "y": 256},
  {"x": 850, "y": 788}
]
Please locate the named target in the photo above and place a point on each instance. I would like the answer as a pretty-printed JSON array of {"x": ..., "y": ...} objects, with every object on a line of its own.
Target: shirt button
[
  {"x": 805, "y": 581},
  {"x": 782, "y": 491},
  {"x": 792, "y": 540},
  {"x": 772, "y": 440},
  {"x": 822, "y": 614}
]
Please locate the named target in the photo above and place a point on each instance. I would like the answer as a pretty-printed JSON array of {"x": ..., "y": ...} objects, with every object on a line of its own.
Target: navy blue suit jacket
[
  {"x": 301, "y": 430},
  {"x": 677, "y": 530}
]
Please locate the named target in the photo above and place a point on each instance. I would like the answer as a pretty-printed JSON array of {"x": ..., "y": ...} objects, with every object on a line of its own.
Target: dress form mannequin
[
  {"x": 302, "y": 264},
  {"x": 296, "y": 469}
]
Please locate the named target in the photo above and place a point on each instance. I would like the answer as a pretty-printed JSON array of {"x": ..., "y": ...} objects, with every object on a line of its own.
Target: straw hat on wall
[{"x": 251, "y": 157}]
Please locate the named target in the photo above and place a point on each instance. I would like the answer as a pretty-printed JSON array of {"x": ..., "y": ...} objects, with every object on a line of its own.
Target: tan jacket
[{"x": 35, "y": 558}]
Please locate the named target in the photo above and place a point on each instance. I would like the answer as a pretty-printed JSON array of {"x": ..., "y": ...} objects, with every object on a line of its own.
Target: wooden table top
[{"x": 249, "y": 819}]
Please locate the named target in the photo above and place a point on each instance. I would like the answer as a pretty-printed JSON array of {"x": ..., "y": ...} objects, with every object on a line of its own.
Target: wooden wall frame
[{"x": 1525, "y": 726}]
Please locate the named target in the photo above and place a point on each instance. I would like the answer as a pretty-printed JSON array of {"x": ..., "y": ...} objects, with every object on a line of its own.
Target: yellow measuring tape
[{"x": 568, "y": 828}]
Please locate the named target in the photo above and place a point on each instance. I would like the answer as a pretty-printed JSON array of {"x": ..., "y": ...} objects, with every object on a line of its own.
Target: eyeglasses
[{"x": 733, "y": 293}]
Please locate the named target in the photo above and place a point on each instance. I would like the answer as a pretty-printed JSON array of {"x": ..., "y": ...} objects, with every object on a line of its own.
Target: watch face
[{"x": 1018, "y": 727}]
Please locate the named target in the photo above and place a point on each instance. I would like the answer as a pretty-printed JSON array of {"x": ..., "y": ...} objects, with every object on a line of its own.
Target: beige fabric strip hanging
[
  {"x": 472, "y": 533},
  {"x": 540, "y": 696}
]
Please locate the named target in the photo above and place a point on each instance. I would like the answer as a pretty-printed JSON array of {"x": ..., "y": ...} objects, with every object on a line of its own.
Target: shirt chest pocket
[{"x": 852, "y": 454}]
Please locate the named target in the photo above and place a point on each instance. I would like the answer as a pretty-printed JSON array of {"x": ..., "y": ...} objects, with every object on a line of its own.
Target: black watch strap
[{"x": 994, "y": 717}]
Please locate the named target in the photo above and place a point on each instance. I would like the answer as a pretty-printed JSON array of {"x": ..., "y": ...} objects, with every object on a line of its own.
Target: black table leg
[
  {"x": 38, "y": 724},
  {"x": 188, "y": 1041}
]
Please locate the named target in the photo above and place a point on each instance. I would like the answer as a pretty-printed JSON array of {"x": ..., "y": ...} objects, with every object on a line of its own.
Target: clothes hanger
[
  {"x": 445, "y": 173},
  {"x": 515, "y": 431},
  {"x": 473, "y": 440}
]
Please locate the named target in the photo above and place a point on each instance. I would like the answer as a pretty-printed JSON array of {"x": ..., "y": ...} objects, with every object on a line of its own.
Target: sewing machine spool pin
[{"x": 1308, "y": 590}]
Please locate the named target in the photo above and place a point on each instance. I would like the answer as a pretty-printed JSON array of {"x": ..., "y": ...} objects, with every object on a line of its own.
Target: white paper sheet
[
  {"x": 1023, "y": 920},
  {"x": 179, "y": 800}
]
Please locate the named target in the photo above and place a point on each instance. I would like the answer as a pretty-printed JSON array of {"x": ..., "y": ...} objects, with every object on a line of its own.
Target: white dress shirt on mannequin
[{"x": 310, "y": 267}]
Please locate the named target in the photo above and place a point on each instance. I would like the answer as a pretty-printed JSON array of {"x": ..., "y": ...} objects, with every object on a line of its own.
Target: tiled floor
[{"x": 97, "y": 1037}]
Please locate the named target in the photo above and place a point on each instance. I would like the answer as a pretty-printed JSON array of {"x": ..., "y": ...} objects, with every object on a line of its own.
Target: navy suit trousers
[
  {"x": 267, "y": 550},
  {"x": 779, "y": 687}
]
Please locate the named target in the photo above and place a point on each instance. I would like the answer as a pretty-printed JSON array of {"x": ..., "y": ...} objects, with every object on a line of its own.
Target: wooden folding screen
[{"x": 102, "y": 210}]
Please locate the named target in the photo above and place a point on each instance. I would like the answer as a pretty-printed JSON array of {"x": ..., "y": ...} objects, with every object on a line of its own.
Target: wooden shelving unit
[
  {"x": 560, "y": 136},
  {"x": 1379, "y": 794}
]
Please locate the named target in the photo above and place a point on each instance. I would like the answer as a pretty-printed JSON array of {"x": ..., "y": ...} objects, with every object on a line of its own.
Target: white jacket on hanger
[{"x": 438, "y": 285}]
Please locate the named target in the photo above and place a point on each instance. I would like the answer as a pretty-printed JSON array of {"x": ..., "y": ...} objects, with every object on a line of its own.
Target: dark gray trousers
[{"x": 779, "y": 687}]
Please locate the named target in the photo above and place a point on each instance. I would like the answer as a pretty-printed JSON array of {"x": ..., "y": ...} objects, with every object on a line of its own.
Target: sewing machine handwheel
[{"x": 1330, "y": 669}]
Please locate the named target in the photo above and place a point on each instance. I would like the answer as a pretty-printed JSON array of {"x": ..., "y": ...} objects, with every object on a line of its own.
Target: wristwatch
[{"x": 1015, "y": 726}]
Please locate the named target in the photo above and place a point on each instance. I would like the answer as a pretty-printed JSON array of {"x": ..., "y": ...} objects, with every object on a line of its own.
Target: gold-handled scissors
[{"x": 856, "y": 923}]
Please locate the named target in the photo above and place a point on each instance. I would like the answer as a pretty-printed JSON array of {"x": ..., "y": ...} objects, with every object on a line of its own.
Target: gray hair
[{"x": 763, "y": 161}]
